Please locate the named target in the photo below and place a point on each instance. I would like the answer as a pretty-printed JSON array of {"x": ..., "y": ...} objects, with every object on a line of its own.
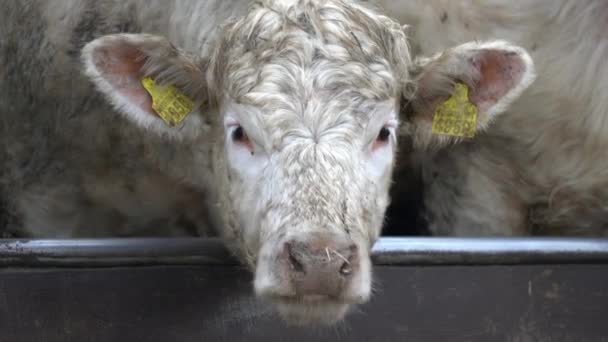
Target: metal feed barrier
[{"x": 426, "y": 289}]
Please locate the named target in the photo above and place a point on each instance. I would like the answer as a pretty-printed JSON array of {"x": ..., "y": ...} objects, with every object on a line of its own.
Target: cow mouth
[{"x": 311, "y": 310}]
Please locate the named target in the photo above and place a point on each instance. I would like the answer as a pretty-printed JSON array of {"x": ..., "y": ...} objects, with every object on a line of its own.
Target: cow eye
[
  {"x": 384, "y": 134},
  {"x": 239, "y": 135}
]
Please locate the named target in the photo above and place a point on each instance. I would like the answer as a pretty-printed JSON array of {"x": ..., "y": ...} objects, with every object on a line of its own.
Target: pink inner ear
[
  {"x": 500, "y": 72},
  {"x": 120, "y": 65}
]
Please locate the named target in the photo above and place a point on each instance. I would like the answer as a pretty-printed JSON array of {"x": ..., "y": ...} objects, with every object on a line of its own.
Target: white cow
[{"x": 275, "y": 121}]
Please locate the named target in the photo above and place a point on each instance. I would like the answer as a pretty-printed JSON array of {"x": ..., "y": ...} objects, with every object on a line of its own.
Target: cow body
[{"x": 540, "y": 168}]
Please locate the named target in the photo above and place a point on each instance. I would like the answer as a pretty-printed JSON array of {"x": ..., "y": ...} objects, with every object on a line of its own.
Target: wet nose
[{"x": 322, "y": 266}]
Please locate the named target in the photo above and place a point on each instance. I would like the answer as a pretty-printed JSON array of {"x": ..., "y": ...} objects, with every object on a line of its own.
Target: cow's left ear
[
  {"x": 459, "y": 92},
  {"x": 149, "y": 81}
]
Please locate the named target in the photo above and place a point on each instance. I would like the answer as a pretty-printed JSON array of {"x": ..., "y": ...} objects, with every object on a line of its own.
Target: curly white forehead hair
[{"x": 288, "y": 36}]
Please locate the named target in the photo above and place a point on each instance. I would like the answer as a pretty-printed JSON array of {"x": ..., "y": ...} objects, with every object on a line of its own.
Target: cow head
[{"x": 299, "y": 102}]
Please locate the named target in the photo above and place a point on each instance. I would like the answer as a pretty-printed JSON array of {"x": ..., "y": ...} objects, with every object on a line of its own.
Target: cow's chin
[{"x": 300, "y": 312}]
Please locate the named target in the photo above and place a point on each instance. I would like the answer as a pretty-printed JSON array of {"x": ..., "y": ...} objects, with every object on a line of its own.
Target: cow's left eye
[{"x": 384, "y": 135}]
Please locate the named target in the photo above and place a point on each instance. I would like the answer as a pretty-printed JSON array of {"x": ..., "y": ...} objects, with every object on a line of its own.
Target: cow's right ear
[{"x": 148, "y": 80}]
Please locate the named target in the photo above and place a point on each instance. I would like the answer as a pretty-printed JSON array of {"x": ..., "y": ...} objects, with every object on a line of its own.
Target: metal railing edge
[{"x": 387, "y": 251}]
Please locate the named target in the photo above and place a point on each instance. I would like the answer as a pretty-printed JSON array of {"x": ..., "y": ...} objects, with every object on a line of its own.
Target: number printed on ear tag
[
  {"x": 457, "y": 116},
  {"x": 171, "y": 105}
]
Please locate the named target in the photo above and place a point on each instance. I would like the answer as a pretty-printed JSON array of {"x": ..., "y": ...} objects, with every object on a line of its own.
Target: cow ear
[
  {"x": 458, "y": 93},
  {"x": 149, "y": 81}
]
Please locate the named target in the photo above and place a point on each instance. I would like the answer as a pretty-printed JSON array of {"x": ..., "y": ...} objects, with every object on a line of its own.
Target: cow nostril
[
  {"x": 294, "y": 263},
  {"x": 346, "y": 269}
]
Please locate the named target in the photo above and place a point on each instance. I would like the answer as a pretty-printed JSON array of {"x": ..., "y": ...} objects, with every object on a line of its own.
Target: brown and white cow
[{"x": 288, "y": 143}]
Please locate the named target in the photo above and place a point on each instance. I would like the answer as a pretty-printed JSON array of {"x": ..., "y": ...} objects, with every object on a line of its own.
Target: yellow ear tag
[
  {"x": 171, "y": 105},
  {"x": 457, "y": 116}
]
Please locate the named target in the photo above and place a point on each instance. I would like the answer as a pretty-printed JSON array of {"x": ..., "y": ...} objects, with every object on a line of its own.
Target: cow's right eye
[{"x": 239, "y": 136}]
